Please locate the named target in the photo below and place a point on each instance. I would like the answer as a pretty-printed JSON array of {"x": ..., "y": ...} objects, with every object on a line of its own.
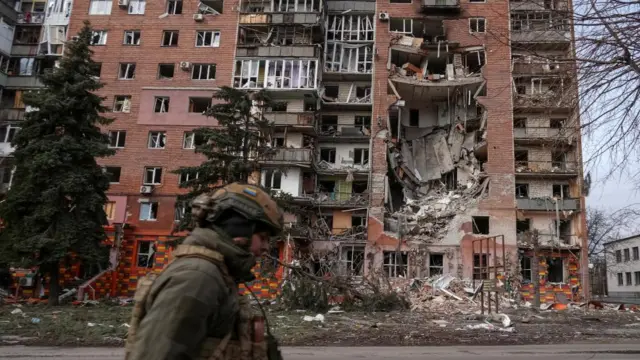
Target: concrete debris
[
  {"x": 487, "y": 326},
  {"x": 16, "y": 312},
  {"x": 319, "y": 318}
]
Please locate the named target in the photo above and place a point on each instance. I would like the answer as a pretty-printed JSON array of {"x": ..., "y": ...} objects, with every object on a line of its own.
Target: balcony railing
[
  {"x": 290, "y": 118},
  {"x": 339, "y": 198},
  {"x": 547, "y": 167},
  {"x": 31, "y": 18},
  {"x": 301, "y": 18},
  {"x": 440, "y": 4},
  {"x": 12, "y": 114},
  {"x": 543, "y": 133},
  {"x": 548, "y": 204},
  {"x": 549, "y": 239},
  {"x": 291, "y": 155},
  {"x": 524, "y": 68},
  {"x": 549, "y": 99}
]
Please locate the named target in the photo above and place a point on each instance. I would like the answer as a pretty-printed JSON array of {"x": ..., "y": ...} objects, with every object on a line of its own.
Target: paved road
[{"x": 564, "y": 352}]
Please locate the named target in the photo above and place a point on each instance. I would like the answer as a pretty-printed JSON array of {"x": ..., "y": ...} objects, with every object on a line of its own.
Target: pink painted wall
[
  {"x": 121, "y": 209},
  {"x": 178, "y": 113}
]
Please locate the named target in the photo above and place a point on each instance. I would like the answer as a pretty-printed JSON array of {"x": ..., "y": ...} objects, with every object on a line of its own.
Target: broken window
[
  {"x": 450, "y": 180},
  {"x": 122, "y": 103},
  {"x": 8, "y": 132},
  {"x": 627, "y": 255},
  {"x": 559, "y": 160},
  {"x": 170, "y": 38},
  {"x": 563, "y": 230},
  {"x": 636, "y": 254},
  {"x": 275, "y": 74},
  {"x": 280, "y": 106},
  {"x": 350, "y": 28},
  {"x": 480, "y": 266},
  {"x": 96, "y": 70},
  {"x": 618, "y": 256},
  {"x": 131, "y": 37},
  {"x": 521, "y": 89},
  {"x": 137, "y": 7},
  {"x": 188, "y": 140},
  {"x": 620, "y": 279},
  {"x": 561, "y": 191},
  {"x": 395, "y": 264},
  {"x": 414, "y": 117},
  {"x": 161, "y": 104},
  {"x": 296, "y": 5},
  {"x": 199, "y": 105},
  {"x": 203, "y": 72},
  {"x": 174, "y": 7},
  {"x": 327, "y": 219},
  {"x": 361, "y": 157},
  {"x": 146, "y": 249},
  {"x": 536, "y": 86},
  {"x": 362, "y": 122},
  {"x": 557, "y": 123},
  {"x": 555, "y": 269},
  {"x": 332, "y": 91},
  {"x": 329, "y": 123},
  {"x": 520, "y": 123},
  {"x": 477, "y": 25},
  {"x": 358, "y": 220},
  {"x": 127, "y": 71},
  {"x": 277, "y": 142},
  {"x": 480, "y": 224},
  {"x": 406, "y": 26},
  {"x": 525, "y": 269},
  {"x": 166, "y": 71},
  {"x": 180, "y": 212},
  {"x": 522, "y": 190},
  {"x": 152, "y": 176},
  {"x": 436, "y": 264},
  {"x": 157, "y": 139},
  {"x": 117, "y": 139},
  {"x": 523, "y": 226},
  {"x": 359, "y": 187},
  {"x": 328, "y": 155},
  {"x": 352, "y": 257},
  {"x": 349, "y": 58},
  {"x": 98, "y": 37},
  {"x": 521, "y": 157},
  {"x": 364, "y": 93},
  {"x": 272, "y": 179},
  {"x": 113, "y": 173},
  {"x": 475, "y": 60},
  {"x": 207, "y": 38}
]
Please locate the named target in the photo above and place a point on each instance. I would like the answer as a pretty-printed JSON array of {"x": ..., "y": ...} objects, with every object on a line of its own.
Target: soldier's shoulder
[{"x": 193, "y": 265}]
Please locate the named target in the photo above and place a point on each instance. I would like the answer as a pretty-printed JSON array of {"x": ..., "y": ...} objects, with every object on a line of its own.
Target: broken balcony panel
[
  {"x": 303, "y": 157},
  {"x": 556, "y": 169},
  {"x": 356, "y": 96},
  {"x": 352, "y": 6},
  {"x": 545, "y": 101},
  {"x": 339, "y": 199},
  {"x": 280, "y": 6},
  {"x": 542, "y": 135},
  {"x": 280, "y": 51},
  {"x": 301, "y": 121},
  {"x": 548, "y": 204},
  {"x": 440, "y": 6},
  {"x": 540, "y": 27},
  {"x": 350, "y": 28},
  {"x": 557, "y": 68},
  {"x": 539, "y": 5},
  {"x": 281, "y": 74},
  {"x": 348, "y": 58}
]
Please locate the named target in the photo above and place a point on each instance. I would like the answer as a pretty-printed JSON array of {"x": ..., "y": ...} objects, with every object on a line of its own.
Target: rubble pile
[{"x": 445, "y": 294}]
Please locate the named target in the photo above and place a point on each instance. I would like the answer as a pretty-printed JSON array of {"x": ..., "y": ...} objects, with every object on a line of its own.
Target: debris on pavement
[{"x": 318, "y": 317}]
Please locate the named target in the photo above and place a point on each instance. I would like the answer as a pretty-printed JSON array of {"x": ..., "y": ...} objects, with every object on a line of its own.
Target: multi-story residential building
[
  {"x": 622, "y": 257},
  {"x": 410, "y": 129}
]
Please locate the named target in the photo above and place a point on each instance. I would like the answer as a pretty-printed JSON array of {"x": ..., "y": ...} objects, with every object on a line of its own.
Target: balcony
[
  {"x": 291, "y": 75},
  {"x": 550, "y": 240},
  {"x": 540, "y": 32},
  {"x": 337, "y": 199},
  {"x": 538, "y": 5},
  {"x": 304, "y": 121},
  {"x": 525, "y": 69},
  {"x": 346, "y": 134},
  {"x": 440, "y": 6},
  {"x": 539, "y": 135},
  {"x": 545, "y": 101},
  {"x": 558, "y": 169},
  {"x": 302, "y": 157},
  {"x": 31, "y": 18},
  {"x": 20, "y": 82},
  {"x": 280, "y": 18},
  {"x": 548, "y": 204},
  {"x": 361, "y": 6},
  {"x": 9, "y": 14},
  {"x": 12, "y": 114},
  {"x": 305, "y": 51}
]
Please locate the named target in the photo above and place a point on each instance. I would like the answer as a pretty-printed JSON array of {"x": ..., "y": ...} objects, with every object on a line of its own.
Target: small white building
[{"x": 623, "y": 267}]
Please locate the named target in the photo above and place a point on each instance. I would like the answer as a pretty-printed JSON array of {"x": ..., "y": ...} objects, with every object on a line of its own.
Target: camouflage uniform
[{"x": 193, "y": 306}]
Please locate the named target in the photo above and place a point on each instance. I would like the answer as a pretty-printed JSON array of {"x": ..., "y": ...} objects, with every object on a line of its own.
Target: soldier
[{"x": 192, "y": 310}]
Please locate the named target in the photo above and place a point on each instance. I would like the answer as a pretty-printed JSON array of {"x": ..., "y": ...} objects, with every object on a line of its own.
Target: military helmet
[{"x": 249, "y": 201}]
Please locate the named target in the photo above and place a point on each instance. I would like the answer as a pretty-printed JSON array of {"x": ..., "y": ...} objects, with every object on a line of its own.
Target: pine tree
[
  {"x": 234, "y": 149},
  {"x": 55, "y": 205}
]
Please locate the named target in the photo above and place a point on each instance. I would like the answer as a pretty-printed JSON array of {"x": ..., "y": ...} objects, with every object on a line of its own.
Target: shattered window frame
[
  {"x": 199, "y": 104},
  {"x": 152, "y": 175},
  {"x": 161, "y": 104},
  {"x": 127, "y": 71},
  {"x": 174, "y": 7},
  {"x": 477, "y": 229},
  {"x": 132, "y": 37},
  {"x": 272, "y": 179},
  {"x": 203, "y": 72},
  {"x": 276, "y": 74},
  {"x": 179, "y": 212},
  {"x": 525, "y": 269},
  {"x": 352, "y": 259},
  {"x": 100, "y": 7},
  {"x": 137, "y": 7},
  {"x": 404, "y": 26},
  {"x": 331, "y": 154},
  {"x": 170, "y": 38},
  {"x": 145, "y": 252},
  {"x": 157, "y": 140},
  {"x": 361, "y": 156},
  {"x": 396, "y": 264},
  {"x": 186, "y": 176},
  {"x": 189, "y": 140},
  {"x": 207, "y": 38},
  {"x": 98, "y": 38},
  {"x": 121, "y": 103}
]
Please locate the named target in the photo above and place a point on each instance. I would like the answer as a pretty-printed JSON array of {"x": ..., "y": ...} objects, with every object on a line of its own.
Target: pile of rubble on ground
[{"x": 445, "y": 294}]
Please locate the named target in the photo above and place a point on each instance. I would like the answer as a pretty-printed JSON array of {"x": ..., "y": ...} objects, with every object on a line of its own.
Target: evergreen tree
[
  {"x": 55, "y": 205},
  {"x": 234, "y": 149}
]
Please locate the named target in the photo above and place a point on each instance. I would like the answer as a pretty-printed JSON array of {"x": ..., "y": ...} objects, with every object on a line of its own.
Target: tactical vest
[{"x": 247, "y": 347}]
